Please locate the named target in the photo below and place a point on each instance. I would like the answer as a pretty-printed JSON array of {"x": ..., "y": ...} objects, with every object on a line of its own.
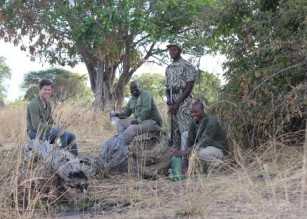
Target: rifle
[
  {"x": 171, "y": 141},
  {"x": 175, "y": 173}
]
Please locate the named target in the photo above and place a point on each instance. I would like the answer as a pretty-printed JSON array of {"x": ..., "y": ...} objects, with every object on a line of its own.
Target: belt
[{"x": 175, "y": 90}]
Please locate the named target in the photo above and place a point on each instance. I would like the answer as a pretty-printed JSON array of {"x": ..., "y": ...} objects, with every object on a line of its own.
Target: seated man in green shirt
[
  {"x": 206, "y": 136},
  {"x": 40, "y": 122},
  {"x": 146, "y": 117}
]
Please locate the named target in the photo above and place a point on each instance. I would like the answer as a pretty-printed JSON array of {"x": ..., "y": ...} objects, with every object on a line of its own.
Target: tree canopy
[
  {"x": 207, "y": 87},
  {"x": 113, "y": 38},
  {"x": 265, "y": 45}
]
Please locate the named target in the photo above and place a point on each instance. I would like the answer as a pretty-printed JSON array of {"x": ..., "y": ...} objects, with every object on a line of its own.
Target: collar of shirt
[{"x": 42, "y": 102}]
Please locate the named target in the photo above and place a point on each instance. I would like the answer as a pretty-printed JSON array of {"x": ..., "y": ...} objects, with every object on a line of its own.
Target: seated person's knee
[{"x": 132, "y": 128}]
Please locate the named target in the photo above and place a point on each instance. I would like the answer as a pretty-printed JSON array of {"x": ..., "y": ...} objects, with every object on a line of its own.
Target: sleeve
[
  {"x": 127, "y": 111},
  {"x": 37, "y": 122},
  {"x": 51, "y": 120},
  {"x": 191, "y": 135},
  {"x": 190, "y": 72},
  {"x": 145, "y": 107},
  {"x": 208, "y": 134}
]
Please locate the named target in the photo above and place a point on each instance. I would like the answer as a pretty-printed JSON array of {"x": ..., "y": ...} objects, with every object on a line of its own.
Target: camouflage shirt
[
  {"x": 177, "y": 75},
  {"x": 39, "y": 116}
]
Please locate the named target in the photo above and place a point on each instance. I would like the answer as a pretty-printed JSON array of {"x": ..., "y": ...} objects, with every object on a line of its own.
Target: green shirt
[
  {"x": 39, "y": 116},
  {"x": 143, "y": 108},
  {"x": 208, "y": 132}
]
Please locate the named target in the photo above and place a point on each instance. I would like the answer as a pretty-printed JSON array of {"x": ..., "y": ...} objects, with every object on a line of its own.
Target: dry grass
[
  {"x": 91, "y": 128},
  {"x": 13, "y": 124},
  {"x": 267, "y": 183}
]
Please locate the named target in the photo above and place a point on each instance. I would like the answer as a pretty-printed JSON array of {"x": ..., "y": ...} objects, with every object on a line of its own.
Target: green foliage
[
  {"x": 154, "y": 83},
  {"x": 71, "y": 24},
  {"x": 265, "y": 45},
  {"x": 67, "y": 84},
  {"x": 113, "y": 38},
  {"x": 261, "y": 38},
  {"x": 207, "y": 87},
  {"x": 4, "y": 74}
]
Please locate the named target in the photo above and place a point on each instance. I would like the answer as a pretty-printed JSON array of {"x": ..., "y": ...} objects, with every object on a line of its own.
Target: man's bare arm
[{"x": 186, "y": 92}]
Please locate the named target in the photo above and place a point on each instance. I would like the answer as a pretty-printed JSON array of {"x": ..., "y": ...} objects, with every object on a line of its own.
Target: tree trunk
[
  {"x": 119, "y": 89},
  {"x": 101, "y": 75},
  {"x": 108, "y": 95}
]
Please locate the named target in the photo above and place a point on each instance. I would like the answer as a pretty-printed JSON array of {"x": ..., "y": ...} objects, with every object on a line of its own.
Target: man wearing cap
[
  {"x": 180, "y": 77},
  {"x": 40, "y": 122}
]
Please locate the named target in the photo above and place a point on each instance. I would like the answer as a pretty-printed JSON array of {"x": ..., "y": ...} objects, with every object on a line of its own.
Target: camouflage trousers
[{"x": 181, "y": 123}]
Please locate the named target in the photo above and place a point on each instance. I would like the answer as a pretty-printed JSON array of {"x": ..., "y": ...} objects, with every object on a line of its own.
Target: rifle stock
[{"x": 172, "y": 130}]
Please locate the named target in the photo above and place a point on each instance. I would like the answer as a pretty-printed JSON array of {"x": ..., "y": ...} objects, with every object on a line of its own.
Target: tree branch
[
  {"x": 148, "y": 54},
  {"x": 140, "y": 40}
]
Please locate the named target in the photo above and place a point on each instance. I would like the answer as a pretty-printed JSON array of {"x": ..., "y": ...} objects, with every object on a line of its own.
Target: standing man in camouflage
[{"x": 180, "y": 77}]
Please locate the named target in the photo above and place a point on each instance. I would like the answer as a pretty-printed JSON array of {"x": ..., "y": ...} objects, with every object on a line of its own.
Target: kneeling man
[{"x": 206, "y": 137}]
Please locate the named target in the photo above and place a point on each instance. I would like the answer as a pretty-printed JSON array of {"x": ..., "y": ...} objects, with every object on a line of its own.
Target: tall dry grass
[
  {"x": 90, "y": 127},
  {"x": 266, "y": 182},
  {"x": 12, "y": 124}
]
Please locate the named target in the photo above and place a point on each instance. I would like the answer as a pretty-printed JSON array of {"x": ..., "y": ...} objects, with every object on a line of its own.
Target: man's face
[
  {"x": 45, "y": 92},
  {"x": 173, "y": 52},
  {"x": 134, "y": 90},
  {"x": 197, "y": 113}
]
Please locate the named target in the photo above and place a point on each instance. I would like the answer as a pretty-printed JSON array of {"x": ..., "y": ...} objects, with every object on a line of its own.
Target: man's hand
[
  {"x": 169, "y": 101},
  {"x": 178, "y": 152},
  {"x": 134, "y": 122},
  {"x": 114, "y": 114},
  {"x": 173, "y": 108}
]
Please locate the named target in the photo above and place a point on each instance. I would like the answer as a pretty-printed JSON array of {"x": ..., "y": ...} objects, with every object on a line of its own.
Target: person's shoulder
[
  {"x": 184, "y": 61},
  {"x": 193, "y": 124},
  {"x": 33, "y": 105},
  {"x": 214, "y": 119},
  {"x": 146, "y": 93},
  {"x": 131, "y": 99},
  {"x": 169, "y": 66},
  {"x": 33, "y": 102}
]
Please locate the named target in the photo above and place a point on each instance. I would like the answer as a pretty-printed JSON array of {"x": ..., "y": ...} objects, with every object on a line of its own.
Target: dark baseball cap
[{"x": 173, "y": 45}]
